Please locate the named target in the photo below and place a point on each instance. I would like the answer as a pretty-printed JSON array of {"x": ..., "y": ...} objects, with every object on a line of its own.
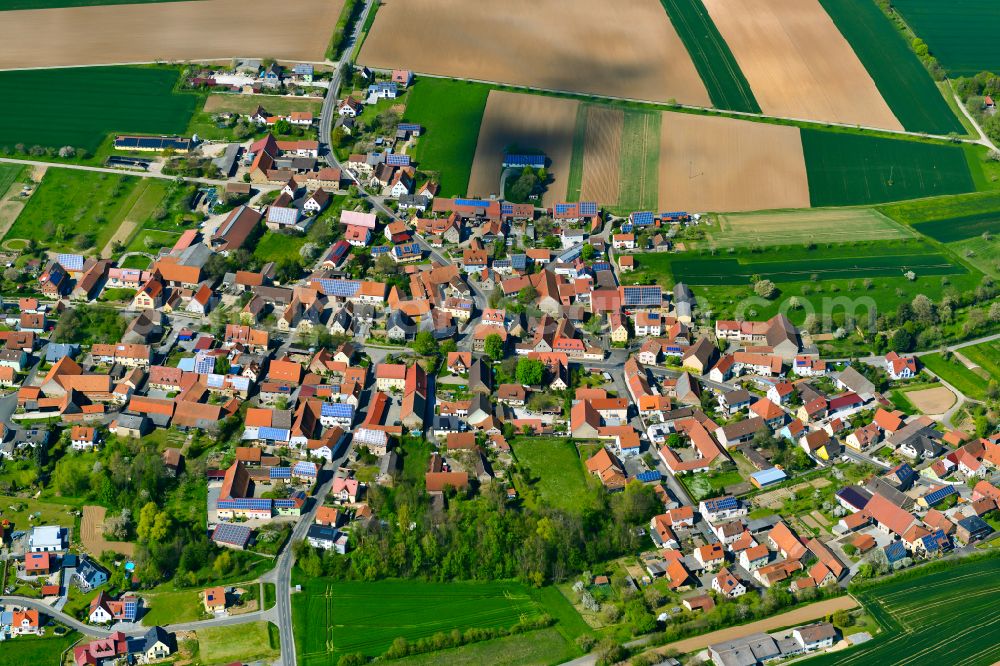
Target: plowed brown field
[
  {"x": 626, "y": 48},
  {"x": 797, "y": 62},
  {"x": 602, "y": 155},
  {"x": 727, "y": 165},
  {"x": 92, "y": 534},
  {"x": 208, "y": 29},
  {"x": 530, "y": 122}
]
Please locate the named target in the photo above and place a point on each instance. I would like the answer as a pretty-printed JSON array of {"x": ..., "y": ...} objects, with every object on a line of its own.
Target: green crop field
[
  {"x": 76, "y": 210},
  {"x": 852, "y": 169},
  {"x": 79, "y": 107},
  {"x": 986, "y": 355},
  {"x": 950, "y": 219},
  {"x": 727, "y": 86},
  {"x": 451, "y": 113},
  {"x": 947, "y": 617},
  {"x": 333, "y": 618},
  {"x": 802, "y": 226},
  {"x": 574, "y": 180},
  {"x": 52, "y": 4},
  {"x": 535, "y": 648},
  {"x": 34, "y": 651},
  {"x": 640, "y": 161},
  {"x": 553, "y": 468},
  {"x": 955, "y": 373},
  {"x": 960, "y": 33},
  {"x": 9, "y": 174},
  {"x": 901, "y": 78}
]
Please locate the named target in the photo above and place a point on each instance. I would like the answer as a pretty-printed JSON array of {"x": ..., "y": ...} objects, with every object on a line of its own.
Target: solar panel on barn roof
[{"x": 588, "y": 208}]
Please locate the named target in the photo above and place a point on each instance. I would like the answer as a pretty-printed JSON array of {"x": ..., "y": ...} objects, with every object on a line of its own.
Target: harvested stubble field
[
  {"x": 792, "y": 227},
  {"x": 798, "y": 63},
  {"x": 92, "y": 534},
  {"x": 79, "y": 107},
  {"x": 900, "y": 77},
  {"x": 529, "y": 122},
  {"x": 622, "y": 49},
  {"x": 961, "y": 33},
  {"x": 602, "y": 154},
  {"x": 10, "y": 5},
  {"x": 946, "y": 617},
  {"x": 201, "y": 30},
  {"x": 720, "y": 164}
]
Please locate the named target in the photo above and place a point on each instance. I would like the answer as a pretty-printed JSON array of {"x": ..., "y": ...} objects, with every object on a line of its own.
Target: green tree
[
  {"x": 529, "y": 372},
  {"x": 527, "y": 295},
  {"x": 282, "y": 127},
  {"x": 493, "y": 346},
  {"x": 587, "y": 252},
  {"x": 424, "y": 343}
]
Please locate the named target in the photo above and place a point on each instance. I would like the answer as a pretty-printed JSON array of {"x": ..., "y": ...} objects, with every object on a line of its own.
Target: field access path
[{"x": 117, "y": 172}]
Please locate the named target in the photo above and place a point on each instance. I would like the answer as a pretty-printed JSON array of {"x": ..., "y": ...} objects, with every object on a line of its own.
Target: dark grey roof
[{"x": 159, "y": 635}]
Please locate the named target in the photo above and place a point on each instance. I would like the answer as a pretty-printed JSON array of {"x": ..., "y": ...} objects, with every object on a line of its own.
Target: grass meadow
[
  {"x": 961, "y": 34},
  {"x": 552, "y": 469},
  {"x": 536, "y": 648},
  {"x": 987, "y": 356},
  {"x": 333, "y": 618},
  {"x": 450, "y": 112},
  {"x": 574, "y": 180},
  {"x": 899, "y": 76},
  {"x": 955, "y": 373},
  {"x": 80, "y": 106},
  {"x": 9, "y": 174},
  {"x": 946, "y": 617},
  {"x": 802, "y": 226},
  {"x": 640, "y": 161},
  {"x": 852, "y": 169},
  {"x": 33, "y": 651},
  {"x": 257, "y": 641},
  {"x": 727, "y": 86}
]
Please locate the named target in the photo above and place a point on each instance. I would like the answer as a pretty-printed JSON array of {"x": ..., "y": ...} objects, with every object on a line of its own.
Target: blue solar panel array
[
  {"x": 506, "y": 209},
  {"x": 275, "y": 434},
  {"x": 602, "y": 266},
  {"x": 642, "y": 219},
  {"x": 722, "y": 504},
  {"x": 938, "y": 495},
  {"x": 473, "y": 203},
  {"x": 409, "y": 127},
  {"x": 380, "y": 249},
  {"x": 238, "y": 535},
  {"x": 245, "y": 504},
  {"x": 151, "y": 143},
  {"x": 534, "y": 161},
  {"x": 340, "y": 288},
  {"x": 564, "y": 208},
  {"x": 588, "y": 208},
  {"x": 71, "y": 262},
  {"x": 284, "y": 504},
  {"x": 642, "y": 295},
  {"x": 519, "y": 262},
  {"x": 409, "y": 248},
  {"x": 397, "y": 159},
  {"x": 280, "y": 472},
  {"x": 649, "y": 476},
  {"x": 129, "y": 609},
  {"x": 305, "y": 468},
  {"x": 895, "y": 551},
  {"x": 337, "y": 410}
]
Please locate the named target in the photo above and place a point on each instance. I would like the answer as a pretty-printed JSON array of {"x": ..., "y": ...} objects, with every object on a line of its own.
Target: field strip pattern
[
  {"x": 639, "y": 160},
  {"x": 575, "y": 178},
  {"x": 602, "y": 155},
  {"x": 200, "y": 30},
  {"x": 798, "y": 64},
  {"x": 804, "y": 226},
  {"x": 726, "y": 84}
]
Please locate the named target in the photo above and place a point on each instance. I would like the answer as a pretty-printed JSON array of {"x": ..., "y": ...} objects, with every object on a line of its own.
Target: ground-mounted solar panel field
[
  {"x": 901, "y": 78},
  {"x": 960, "y": 33},
  {"x": 79, "y": 107},
  {"x": 948, "y": 617}
]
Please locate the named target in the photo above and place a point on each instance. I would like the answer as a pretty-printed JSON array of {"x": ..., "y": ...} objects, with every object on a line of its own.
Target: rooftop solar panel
[
  {"x": 280, "y": 472},
  {"x": 237, "y": 535},
  {"x": 245, "y": 504},
  {"x": 409, "y": 127},
  {"x": 275, "y": 434},
  {"x": 588, "y": 208},
  {"x": 340, "y": 288},
  {"x": 396, "y": 159},
  {"x": 472, "y": 203},
  {"x": 337, "y": 410},
  {"x": 304, "y": 468},
  {"x": 640, "y": 219}
]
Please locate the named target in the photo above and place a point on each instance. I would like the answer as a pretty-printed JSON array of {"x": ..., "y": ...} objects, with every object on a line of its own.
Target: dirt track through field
[
  {"x": 626, "y": 48},
  {"x": 802, "y": 615},
  {"x": 300, "y": 30},
  {"x": 725, "y": 165},
  {"x": 530, "y": 122},
  {"x": 92, "y": 534},
  {"x": 602, "y": 155},
  {"x": 797, "y": 62}
]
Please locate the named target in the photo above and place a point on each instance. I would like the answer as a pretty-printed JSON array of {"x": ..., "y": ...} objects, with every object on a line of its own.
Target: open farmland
[
  {"x": 620, "y": 49},
  {"x": 10, "y": 5},
  {"x": 552, "y": 468},
  {"x": 535, "y": 648},
  {"x": 851, "y": 169},
  {"x": 960, "y": 33},
  {"x": 279, "y": 105},
  {"x": 200, "y": 30},
  {"x": 950, "y": 219},
  {"x": 947, "y": 617},
  {"x": 900, "y": 77},
  {"x": 798, "y": 64},
  {"x": 726, "y": 84},
  {"x": 794, "y": 227},
  {"x": 527, "y": 123},
  {"x": 602, "y": 148},
  {"x": 334, "y": 618},
  {"x": 717, "y": 164},
  {"x": 450, "y": 113},
  {"x": 92, "y": 534},
  {"x": 987, "y": 356},
  {"x": 640, "y": 159},
  {"x": 80, "y": 107}
]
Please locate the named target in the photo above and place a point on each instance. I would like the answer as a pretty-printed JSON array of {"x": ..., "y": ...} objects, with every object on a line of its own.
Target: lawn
[
  {"x": 251, "y": 642},
  {"x": 552, "y": 473},
  {"x": 946, "y": 617},
  {"x": 640, "y": 161},
  {"x": 535, "y": 648},
  {"x": 853, "y": 169},
  {"x": 75, "y": 210},
  {"x": 151, "y": 240},
  {"x": 960, "y": 33},
  {"x": 172, "y": 607},
  {"x": 719, "y": 71},
  {"x": 279, "y": 247},
  {"x": 51, "y": 514},
  {"x": 986, "y": 355},
  {"x": 102, "y": 99},
  {"x": 703, "y": 485},
  {"x": 899, "y": 76},
  {"x": 450, "y": 112},
  {"x": 34, "y": 651},
  {"x": 956, "y": 374},
  {"x": 333, "y": 618}
]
